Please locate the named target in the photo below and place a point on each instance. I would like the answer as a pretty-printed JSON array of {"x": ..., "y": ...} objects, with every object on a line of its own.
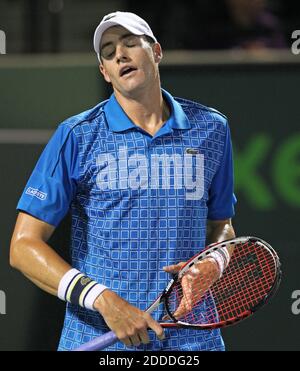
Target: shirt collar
[{"x": 118, "y": 121}]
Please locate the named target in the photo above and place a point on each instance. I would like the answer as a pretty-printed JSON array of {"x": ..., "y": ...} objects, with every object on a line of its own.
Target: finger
[
  {"x": 126, "y": 341},
  {"x": 173, "y": 268},
  {"x": 135, "y": 340},
  {"x": 187, "y": 289},
  {"x": 186, "y": 302},
  {"x": 182, "y": 309},
  {"x": 144, "y": 337},
  {"x": 156, "y": 327}
]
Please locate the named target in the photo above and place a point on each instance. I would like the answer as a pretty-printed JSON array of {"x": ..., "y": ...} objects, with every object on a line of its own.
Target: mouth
[{"x": 125, "y": 71}]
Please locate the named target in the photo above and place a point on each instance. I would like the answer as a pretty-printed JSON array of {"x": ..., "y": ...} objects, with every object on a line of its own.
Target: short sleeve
[
  {"x": 222, "y": 199},
  {"x": 53, "y": 182}
]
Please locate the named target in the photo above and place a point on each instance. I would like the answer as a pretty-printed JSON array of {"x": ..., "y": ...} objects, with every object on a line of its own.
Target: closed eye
[
  {"x": 108, "y": 52},
  {"x": 131, "y": 41},
  {"x": 128, "y": 41}
]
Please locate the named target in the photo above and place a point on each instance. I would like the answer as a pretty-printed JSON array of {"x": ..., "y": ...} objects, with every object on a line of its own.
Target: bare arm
[
  {"x": 219, "y": 230},
  {"x": 30, "y": 253}
]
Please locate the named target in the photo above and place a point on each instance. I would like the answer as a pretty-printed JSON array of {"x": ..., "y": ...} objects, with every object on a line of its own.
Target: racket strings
[
  {"x": 255, "y": 277},
  {"x": 200, "y": 299},
  {"x": 254, "y": 271}
]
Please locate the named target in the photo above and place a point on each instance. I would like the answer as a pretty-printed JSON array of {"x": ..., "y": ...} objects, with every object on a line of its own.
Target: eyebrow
[{"x": 122, "y": 37}]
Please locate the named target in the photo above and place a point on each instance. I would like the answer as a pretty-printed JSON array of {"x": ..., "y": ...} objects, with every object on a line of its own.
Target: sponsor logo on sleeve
[{"x": 36, "y": 193}]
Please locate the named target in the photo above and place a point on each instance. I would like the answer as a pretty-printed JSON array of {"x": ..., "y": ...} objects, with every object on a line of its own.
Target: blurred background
[
  {"x": 60, "y": 26},
  {"x": 237, "y": 56}
]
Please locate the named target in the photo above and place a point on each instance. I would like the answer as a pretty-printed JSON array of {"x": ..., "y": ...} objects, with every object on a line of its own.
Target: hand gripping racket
[{"x": 195, "y": 299}]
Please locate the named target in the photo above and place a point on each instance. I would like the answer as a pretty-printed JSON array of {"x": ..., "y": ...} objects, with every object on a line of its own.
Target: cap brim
[{"x": 103, "y": 27}]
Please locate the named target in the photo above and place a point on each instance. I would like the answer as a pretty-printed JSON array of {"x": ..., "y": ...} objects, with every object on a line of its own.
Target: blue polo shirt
[{"x": 138, "y": 203}]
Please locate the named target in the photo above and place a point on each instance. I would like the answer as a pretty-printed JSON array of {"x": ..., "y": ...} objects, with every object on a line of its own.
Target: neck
[{"x": 147, "y": 110}]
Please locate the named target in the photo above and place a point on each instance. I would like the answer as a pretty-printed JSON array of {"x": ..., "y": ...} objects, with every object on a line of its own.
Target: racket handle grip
[{"x": 99, "y": 343}]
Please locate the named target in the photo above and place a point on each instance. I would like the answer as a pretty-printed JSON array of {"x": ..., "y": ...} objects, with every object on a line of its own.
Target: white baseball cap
[{"x": 132, "y": 22}]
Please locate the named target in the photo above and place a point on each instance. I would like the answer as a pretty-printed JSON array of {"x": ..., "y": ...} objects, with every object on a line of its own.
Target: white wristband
[
  {"x": 64, "y": 283},
  {"x": 224, "y": 252},
  {"x": 219, "y": 260},
  {"x": 92, "y": 296},
  {"x": 76, "y": 288}
]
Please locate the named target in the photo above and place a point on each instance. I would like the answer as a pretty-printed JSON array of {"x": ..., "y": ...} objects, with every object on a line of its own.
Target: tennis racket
[{"x": 199, "y": 300}]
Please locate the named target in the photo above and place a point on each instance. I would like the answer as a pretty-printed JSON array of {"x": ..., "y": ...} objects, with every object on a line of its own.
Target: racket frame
[{"x": 205, "y": 254}]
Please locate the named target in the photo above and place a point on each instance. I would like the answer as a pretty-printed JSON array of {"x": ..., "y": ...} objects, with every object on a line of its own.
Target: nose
[{"x": 121, "y": 54}]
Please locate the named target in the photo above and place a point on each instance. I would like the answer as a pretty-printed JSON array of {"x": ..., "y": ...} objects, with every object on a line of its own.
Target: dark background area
[
  {"x": 56, "y": 26},
  {"x": 50, "y": 73}
]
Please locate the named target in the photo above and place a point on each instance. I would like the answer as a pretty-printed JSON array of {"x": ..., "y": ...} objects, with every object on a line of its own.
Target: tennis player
[{"x": 148, "y": 179}]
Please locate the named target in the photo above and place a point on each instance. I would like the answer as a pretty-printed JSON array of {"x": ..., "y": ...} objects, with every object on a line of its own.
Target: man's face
[{"x": 129, "y": 62}]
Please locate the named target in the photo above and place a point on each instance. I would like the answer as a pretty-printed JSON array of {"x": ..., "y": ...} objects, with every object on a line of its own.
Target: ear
[
  {"x": 158, "y": 54},
  {"x": 104, "y": 73}
]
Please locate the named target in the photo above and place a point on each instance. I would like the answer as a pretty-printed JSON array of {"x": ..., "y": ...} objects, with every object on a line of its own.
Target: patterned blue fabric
[{"x": 138, "y": 203}]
